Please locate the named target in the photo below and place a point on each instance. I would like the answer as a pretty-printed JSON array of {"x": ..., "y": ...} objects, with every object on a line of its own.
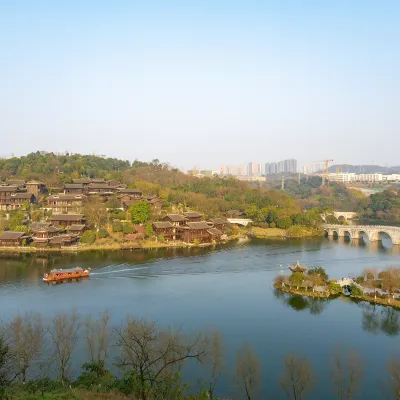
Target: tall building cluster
[{"x": 254, "y": 169}]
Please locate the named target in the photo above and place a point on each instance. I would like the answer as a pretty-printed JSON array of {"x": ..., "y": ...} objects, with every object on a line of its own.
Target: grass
[{"x": 267, "y": 232}]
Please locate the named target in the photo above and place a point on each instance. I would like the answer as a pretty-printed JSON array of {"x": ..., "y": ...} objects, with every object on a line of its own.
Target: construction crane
[{"x": 325, "y": 176}]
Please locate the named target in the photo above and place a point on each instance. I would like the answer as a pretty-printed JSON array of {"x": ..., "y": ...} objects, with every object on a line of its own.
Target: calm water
[{"x": 229, "y": 288}]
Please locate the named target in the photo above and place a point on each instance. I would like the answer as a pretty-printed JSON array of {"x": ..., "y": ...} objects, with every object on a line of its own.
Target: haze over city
[{"x": 202, "y": 83}]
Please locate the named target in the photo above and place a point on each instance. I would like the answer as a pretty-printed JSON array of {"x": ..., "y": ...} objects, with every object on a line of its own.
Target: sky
[{"x": 202, "y": 83}]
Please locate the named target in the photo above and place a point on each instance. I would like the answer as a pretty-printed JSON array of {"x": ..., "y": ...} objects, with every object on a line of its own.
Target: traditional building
[
  {"x": 234, "y": 213},
  {"x": 16, "y": 182},
  {"x": 13, "y": 239},
  {"x": 37, "y": 188},
  {"x": 66, "y": 220},
  {"x": 63, "y": 241},
  {"x": 195, "y": 231},
  {"x": 175, "y": 219},
  {"x": 5, "y": 195},
  {"x": 215, "y": 234},
  {"x": 192, "y": 216},
  {"x": 17, "y": 200},
  {"x": 76, "y": 230},
  {"x": 218, "y": 223},
  {"x": 101, "y": 189},
  {"x": 42, "y": 233},
  {"x": 155, "y": 204},
  {"x": 74, "y": 188},
  {"x": 66, "y": 203},
  {"x": 166, "y": 229}
]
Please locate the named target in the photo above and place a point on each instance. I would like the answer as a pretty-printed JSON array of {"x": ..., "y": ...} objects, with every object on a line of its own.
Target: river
[{"x": 228, "y": 288}]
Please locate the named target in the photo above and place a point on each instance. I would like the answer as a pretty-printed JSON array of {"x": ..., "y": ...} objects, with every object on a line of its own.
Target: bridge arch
[
  {"x": 374, "y": 236},
  {"x": 347, "y": 234}
]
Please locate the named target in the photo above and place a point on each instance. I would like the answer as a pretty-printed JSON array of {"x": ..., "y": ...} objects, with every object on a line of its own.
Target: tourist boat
[
  {"x": 60, "y": 275},
  {"x": 297, "y": 267}
]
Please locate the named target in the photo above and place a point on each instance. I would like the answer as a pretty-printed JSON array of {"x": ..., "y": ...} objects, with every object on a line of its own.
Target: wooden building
[
  {"x": 74, "y": 188},
  {"x": 13, "y": 239},
  {"x": 130, "y": 193},
  {"x": 5, "y": 195},
  {"x": 175, "y": 219},
  {"x": 16, "y": 182},
  {"x": 101, "y": 189},
  {"x": 76, "y": 229},
  {"x": 17, "y": 200},
  {"x": 218, "y": 223},
  {"x": 37, "y": 188},
  {"x": 192, "y": 216},
  {"x": 63, "y": 241},
  {"x": 66, "y": 203},
  {"x": 215, "y": 234},
  {"x": 43, "y": 233},
  {"x": 166, "y": 229},
  {"x": 234, "y": 214},
  {"x": 195, "y": 231},
  {"x": 155, "y": 204},
  {"x": 66, "y": 220}
]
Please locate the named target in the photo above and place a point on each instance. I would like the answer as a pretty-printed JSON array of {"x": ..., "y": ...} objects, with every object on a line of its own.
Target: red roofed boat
[{"x": 60, "y": 275}]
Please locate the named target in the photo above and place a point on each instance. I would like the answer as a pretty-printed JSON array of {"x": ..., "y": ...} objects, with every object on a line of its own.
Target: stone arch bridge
[{"x": 373, "y": 232}]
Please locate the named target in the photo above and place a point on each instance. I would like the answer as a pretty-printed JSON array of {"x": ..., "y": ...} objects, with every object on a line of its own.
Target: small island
[{"x": 381, "y": 287}]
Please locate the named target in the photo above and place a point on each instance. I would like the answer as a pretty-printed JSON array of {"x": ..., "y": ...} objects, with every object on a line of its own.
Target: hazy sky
[{"x": 202, "y": 82}]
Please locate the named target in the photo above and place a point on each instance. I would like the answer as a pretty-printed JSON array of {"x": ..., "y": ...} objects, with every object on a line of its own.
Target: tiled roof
[
  {"x": 214, "y": 231},
  {"x": 66, "y": 196},
  {"x": 192, "y": 214},
  {"x": 11, "y": 188},
  {"x": 218, "y": 221},
  {"x": 198, "y": 225},
  {"x": 26, "y": 196},
  {"x": 76, "y": 227},
  {"x": 162, "y": 224},
  {"x": 12, "y": 235},
  {"x": 175, "y": 217},
  {"x": 73, "y": 186},
  {"x": 67, "y": 217}
]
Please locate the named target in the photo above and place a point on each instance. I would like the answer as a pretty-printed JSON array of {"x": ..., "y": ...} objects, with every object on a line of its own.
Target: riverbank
[
  {"x": 106, "y": 245},
  {"x": 294, "y": 232},
  {"x": 332, "y": 295}
]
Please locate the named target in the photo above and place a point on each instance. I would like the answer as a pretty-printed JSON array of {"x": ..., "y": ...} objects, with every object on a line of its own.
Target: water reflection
[
  {"x": 300, "y": 303},
  {"x": 378, "y": 319}
]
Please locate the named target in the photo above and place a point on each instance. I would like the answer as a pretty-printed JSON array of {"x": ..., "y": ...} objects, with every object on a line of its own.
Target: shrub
[
  {"x": 334, "y": 287},
  {"x": 161, "y": 238},
  {"x": 356, "y": 291},
  {"x": 149, "y": 230},
  {"x": 117, "y": 226},
  {"x": 360, "y": 279},
  {"x": 284, "y": 222},
  {"x": 318, "y": 271},
  {"x": 128, "y": 228},
  {"x": 88, "y": 237},
  {"x": 102, "y": 233},
  {"x": 272, "y": 225}
]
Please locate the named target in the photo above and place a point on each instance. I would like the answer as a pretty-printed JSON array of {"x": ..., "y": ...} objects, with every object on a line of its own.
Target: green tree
[
  {"x": 271, "y": 217},
  {"x": 88, "y": 237},
  {"x": 102, "y": 233},
  {"x": 320, "y": 272},
  {"x": 355, "y": 290},
  {"x": 149, "y": 230},
  {"x": 297, "y": 278},
  {"x": 140, "y": 212},
  {"x": 117, "y": 226},
  {"x": 128, "y": 228},
  {"x": 284, "y": 222}
]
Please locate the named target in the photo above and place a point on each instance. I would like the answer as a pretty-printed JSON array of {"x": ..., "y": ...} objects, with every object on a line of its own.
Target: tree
[
  {"x": 128, "y": 228},
  {"x": 88, "y": 237},
  {"x": 97, "y": 337},
  {"x": 247, "y": 372},
  {"x": 346, "y": 373},
  {"x": 140, "y": 212},
  {"x": 149, "y": 230},
  {"x": 4, "y": 362},
  {"x": 390, "y": 280},
  {"x": 297, "y": 378},
  {"x": 117, "y": 226},
  {"x": 271, "y": 217},
  {"x": 297, "y": 279},
  {"x": 27, "y": 339},
  {"x": 356, "y": 291},
  {"x": 153, "y": 356},
  {"x": 284, "y": 222},
  {"x": 113, "y": 203},
  {"x": 320, "y": 272},
  {"x": 96, "y": 213},
  {"x": 215, "y": 359},
  {"x": 103, "y": 233},
  {"x": 64, "y": 335}
]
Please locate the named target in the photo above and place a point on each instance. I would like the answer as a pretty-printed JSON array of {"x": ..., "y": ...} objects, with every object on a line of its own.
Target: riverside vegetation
[
  {"x": 376, "y": 287},
  {"x": 37, "y": 360}
]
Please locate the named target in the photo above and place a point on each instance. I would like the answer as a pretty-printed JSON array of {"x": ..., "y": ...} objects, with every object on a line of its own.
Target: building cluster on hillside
[
  {"x": 351, "y": 177},
  {"x": 190, "y": 228},
  {"x": 65, "y": 221},
  {"x": 254, "y": 170}
]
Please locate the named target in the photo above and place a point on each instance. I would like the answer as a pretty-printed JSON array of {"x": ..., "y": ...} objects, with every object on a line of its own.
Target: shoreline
[
  {"x": 116, "y": 247},
  {"x": 374, "y": 301}
]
